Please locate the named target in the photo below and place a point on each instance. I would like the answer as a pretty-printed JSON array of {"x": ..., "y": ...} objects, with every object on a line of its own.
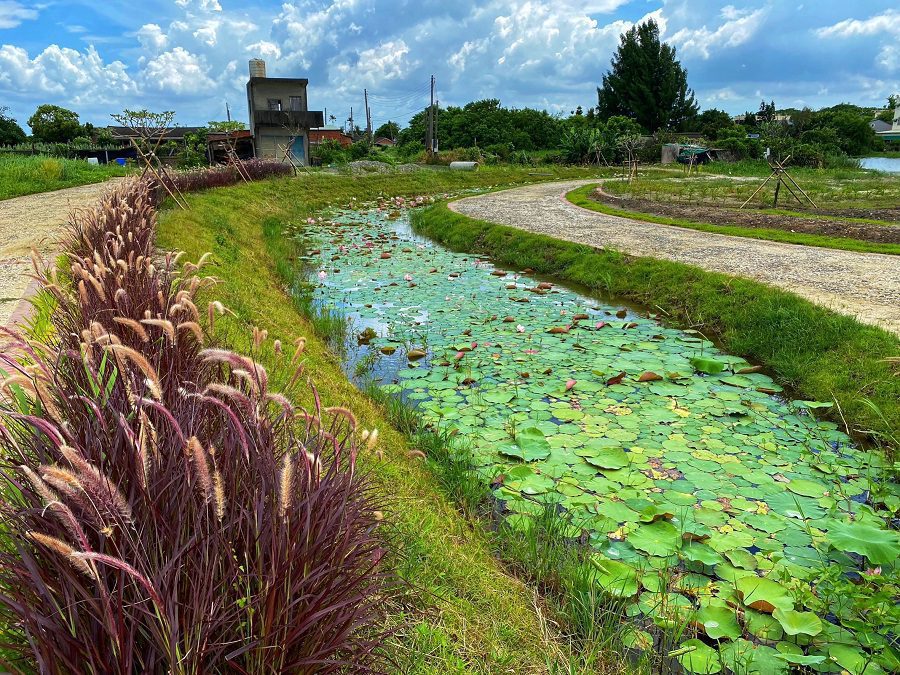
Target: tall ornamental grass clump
[{"x": 163, "y": 510}]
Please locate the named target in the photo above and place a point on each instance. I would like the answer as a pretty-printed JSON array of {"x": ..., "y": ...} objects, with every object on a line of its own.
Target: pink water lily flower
[
  {"x": 310, "y": 221},
  {"x": 322, "y": 275},
  {"x": 407, "y": 277},
  {"x": 520, "y": 328}
]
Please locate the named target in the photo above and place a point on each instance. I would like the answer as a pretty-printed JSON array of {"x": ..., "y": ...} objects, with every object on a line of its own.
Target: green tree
[
  {"x": 388, "y": 130},
  {"x": 646, "y": 82},
  {"x": 712, "y": 122},
  {"x": 10, "y": 131},
  {"x": 52, "y": 124},
  {"x": 225, "y": 126}
]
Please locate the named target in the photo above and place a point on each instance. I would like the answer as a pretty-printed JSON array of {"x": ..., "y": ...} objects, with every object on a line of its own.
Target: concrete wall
[
  {"x": 270, "y": 140},
  {"x": 262, "y": 90}
]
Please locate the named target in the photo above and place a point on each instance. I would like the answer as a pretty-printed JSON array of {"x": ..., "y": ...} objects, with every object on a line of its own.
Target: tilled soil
[
  {"x": 715, "y": 215},
  {"x": 34, "y": 221},
  {"x": 862, "y": 285}
]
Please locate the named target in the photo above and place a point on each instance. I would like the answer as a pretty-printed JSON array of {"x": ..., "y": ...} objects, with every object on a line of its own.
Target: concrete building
[
  {"x": 892, "y": 134},
  {"x": 279, "y": 116}
]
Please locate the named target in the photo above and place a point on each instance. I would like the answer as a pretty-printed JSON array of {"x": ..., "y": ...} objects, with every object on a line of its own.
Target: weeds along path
[
  {"x": 862, "y": 285},
  {"x": 34, "y": 221}
]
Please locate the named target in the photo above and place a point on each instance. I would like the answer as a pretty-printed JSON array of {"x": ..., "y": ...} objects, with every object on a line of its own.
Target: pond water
[
  {"x": 888, "y": 164},
  {"x": 683, "y": 468}
]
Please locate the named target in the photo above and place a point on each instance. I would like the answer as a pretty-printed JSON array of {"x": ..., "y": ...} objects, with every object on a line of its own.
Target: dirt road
[
  {"x": 863, "y": 285},
  {"x": 38, "y": 221}
]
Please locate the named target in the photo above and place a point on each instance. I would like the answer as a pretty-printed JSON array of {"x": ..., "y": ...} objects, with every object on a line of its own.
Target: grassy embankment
[
  {"x": 581, "y": 197},
  {"x": 818, "y": 353},
  {"x": 21, "y": 175},
  {"x": 463, "y": 612}
]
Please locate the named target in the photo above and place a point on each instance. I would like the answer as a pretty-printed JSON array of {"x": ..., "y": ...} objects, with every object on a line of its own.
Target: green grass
[
  {"x": 26, "y": 175},
  {"x": 817, "y": 353},
  {"x": 581, "y": 197},
  {"x": 464, "y": 612}
]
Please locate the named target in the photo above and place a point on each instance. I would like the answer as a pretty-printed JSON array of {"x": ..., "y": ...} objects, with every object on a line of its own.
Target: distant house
[
  {"x": 124, "y": 135},
  {"x": 316, "y": 136},
  {"x": 279, "y": 117},
  {"x": 879, "y": 126},
  {"x": 383, "y": 142},
  {"x": 219, "y": 144},
  {"x": 892, "y": 134}
]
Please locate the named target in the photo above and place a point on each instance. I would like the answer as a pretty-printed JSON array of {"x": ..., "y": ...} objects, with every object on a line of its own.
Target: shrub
[
  {"x": 330, "y": 151},
  {"x": 164, "y": 510}
]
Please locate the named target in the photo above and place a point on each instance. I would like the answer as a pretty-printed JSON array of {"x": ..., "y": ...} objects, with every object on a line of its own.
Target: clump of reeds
[{"x": 164, "y": 510}]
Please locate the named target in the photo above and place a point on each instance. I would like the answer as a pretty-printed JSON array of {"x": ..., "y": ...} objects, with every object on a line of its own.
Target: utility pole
[
  {"x": 227, "y": 111},
  {"x": 437, "y": 144},
  {"x": 429, "y": 133},
  {"x": 350, "y": 131},
  {"x": 368, "y": 116}
]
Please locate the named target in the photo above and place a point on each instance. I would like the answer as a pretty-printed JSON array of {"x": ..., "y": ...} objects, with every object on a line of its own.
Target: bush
[
  {"x": 165, "y": 510},
  {"x": 330, "y": 151}
]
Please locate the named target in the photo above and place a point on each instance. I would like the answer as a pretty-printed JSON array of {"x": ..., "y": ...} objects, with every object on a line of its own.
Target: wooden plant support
[
  {"x": 781, "y": 176},
  {"x": 149, "y": 167}
]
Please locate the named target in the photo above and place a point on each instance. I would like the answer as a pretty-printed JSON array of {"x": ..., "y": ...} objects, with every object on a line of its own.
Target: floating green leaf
[
  {"x": 698, "y": 657},
  {"x": 660, "y": 538},
  {"x": 878, "y": 545},
  {"x": 763, "y": 594},
  {"x": 707, "y": 365},
  {"x": 719, "y": 622},
  {"x": 616, "y": 578},
  {"x": 798, "y": 623}
]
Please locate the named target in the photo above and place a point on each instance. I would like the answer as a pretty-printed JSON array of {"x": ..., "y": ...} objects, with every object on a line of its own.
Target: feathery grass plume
[
  {"x": 238, "y": 580},
  {"x": 202, "y": 467},
  {"x": 417, "y": 454},
  {"x": 163, "y": 324},
  {"x": 281, "y": 400},
  {"x": 286, "y": 485},
  {"x": 346, "y": 413},
  {"x": 97, "y": 486},
  {"x": 234, "y": 394},
  {"x": 45, "y": 396},
  {"x": 62, "y": 549},
  {"x": 133, "y": 325},
  {"x": 301, "y": 346},
  {"x": 98, "y": 287},
  {"x": 138, "y": 359},
  {"x": 82, "y": 293},
  {"x": 372, "y": 439},
  {"x": 194, "y": 328},
  {"x": 39, "y": 486},
  {"x": 219, "y": 495}
]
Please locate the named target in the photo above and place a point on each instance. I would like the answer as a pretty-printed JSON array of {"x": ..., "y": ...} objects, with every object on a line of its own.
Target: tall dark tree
[
  {"x": 388, "y": 130},
  {"x": 646, "y": 82},
  {"x": 10, "y": 131},
  {"x": 53, "y": 124}
]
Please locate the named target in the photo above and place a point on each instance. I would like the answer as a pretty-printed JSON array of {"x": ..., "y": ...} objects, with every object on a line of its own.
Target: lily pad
[
  {"x": 660, "y": 538},
  {"x": 707, "y": 365},
  {"x": 763, "y": 594},
  {"x": 698, "y": 657},
  {"x": 798, "y": 623},
  {"x": 878, "y": 545},
  {"x": 719, "y": 622},
  {"x": 615, "y": 578}
]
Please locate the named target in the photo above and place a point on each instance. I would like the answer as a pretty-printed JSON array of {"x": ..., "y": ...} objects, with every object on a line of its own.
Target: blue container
[{"x": 120, "y": 161}]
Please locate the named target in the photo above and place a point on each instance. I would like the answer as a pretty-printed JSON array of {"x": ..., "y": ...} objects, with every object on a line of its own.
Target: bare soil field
[{"x": 716, "y": 215}]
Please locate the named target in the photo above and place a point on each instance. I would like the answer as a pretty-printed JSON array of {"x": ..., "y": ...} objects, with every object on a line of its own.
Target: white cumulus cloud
[
  {"x": 887, "y": 22},
  {"x": 178, "y": 71}
]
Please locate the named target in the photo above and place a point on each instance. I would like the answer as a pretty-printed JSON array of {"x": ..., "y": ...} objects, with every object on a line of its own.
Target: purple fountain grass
[{"x": 164, "y": 511}]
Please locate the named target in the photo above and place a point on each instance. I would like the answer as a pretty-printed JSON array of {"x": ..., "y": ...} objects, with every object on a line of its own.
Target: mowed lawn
[{"x": 27, "y": 175}]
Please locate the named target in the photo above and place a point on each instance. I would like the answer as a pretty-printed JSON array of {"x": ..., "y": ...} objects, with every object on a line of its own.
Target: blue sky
[{"x": 100, "y": 56}]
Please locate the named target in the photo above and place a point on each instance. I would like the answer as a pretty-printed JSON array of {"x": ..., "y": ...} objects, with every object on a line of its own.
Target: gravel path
[
  {"x": 33, "y": 221},
  {"x": 863, "y": 285}
]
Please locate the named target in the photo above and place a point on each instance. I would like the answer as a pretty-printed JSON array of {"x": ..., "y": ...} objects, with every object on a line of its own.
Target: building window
[
  {"x": 274, "y": 104},
  {"x": 297, "y": 103}
]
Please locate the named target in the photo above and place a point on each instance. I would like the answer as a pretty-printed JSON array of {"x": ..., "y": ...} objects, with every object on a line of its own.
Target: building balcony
[{"x": 309, "y": 119}]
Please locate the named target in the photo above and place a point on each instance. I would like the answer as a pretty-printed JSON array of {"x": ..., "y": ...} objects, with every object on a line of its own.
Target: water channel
[{"x": 675, "y": 461}]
